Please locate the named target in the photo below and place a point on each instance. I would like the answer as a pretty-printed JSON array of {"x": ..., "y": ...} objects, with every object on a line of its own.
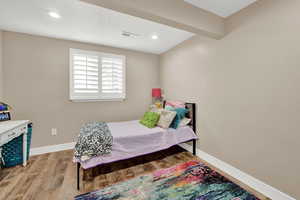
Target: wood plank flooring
[{"x": 53, "y": 176}]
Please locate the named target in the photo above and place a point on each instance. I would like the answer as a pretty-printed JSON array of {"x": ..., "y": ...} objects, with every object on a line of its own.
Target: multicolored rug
[{"x": 189, "y": 181}]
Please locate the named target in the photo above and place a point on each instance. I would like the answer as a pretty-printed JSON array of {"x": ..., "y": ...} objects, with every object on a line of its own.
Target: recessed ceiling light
[
  {"x": 154, "y": 37},
  {"x": 54, "y": 15}
]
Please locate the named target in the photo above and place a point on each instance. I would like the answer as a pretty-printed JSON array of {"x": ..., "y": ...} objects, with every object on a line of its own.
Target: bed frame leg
[
  {"x": 194, "y": 147},
  {"x": 78, "y": 176}
]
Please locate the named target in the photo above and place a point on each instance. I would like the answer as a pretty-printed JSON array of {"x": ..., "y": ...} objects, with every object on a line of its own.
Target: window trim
[{"x": 99, "y": 96}]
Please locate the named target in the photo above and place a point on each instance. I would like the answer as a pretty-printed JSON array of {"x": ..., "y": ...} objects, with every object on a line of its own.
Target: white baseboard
[
  {"x": 53, "y": 148},
  {"x": 254, "y": 183}
]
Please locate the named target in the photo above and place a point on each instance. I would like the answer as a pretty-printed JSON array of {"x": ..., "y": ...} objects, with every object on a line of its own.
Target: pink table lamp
[
  {"x": 156, "y": 93},
  {"x": 157, "y": 97}
]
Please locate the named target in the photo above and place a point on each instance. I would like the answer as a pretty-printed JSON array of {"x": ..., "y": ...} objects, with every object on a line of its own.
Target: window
[{"x": 96, "y": 76}]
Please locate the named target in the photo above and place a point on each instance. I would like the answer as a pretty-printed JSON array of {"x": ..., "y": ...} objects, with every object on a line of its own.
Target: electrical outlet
[{"x": 53, "y": 131}]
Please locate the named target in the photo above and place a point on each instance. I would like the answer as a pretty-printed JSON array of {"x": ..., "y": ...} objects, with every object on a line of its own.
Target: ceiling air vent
[{"x": 129, "y": 34}]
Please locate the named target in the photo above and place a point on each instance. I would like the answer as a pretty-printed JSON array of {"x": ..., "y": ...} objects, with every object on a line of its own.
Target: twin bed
[{"x": 131, "y": 139}]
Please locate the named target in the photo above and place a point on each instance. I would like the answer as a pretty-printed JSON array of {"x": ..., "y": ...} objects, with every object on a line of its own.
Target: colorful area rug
[{"x": 189, "y": 181}]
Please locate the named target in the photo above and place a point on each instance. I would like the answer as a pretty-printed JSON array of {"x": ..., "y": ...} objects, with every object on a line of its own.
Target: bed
[{"x": 131, "y": 139}]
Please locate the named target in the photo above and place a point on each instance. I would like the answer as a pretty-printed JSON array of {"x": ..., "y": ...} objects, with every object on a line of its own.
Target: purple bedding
[{"x": 131, "y": 139}]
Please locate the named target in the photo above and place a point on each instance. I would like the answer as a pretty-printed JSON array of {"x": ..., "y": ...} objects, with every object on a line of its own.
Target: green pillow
[{"x": 150, "y": 119}]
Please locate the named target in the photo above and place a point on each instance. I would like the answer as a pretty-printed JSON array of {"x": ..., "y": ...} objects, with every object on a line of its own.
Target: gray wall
[
  {"x": 1, "y": 67},
  {"x": 37, "y": 86},
  {"x": 247, "y": 88}
]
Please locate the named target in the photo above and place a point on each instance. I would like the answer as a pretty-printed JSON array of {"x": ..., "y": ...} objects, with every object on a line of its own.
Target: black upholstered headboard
[
  {"x": 191, "y": 114},
  {"x": 191, "y": 107}
]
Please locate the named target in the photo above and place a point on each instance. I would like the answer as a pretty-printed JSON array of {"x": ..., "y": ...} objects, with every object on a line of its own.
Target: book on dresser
[
  {"x": 4, "y": 112},
  {"x": 4, "y": 115}
]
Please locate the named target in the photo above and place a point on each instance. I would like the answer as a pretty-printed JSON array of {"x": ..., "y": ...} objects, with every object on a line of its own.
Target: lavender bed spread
[{"x": 131, "y": 139}]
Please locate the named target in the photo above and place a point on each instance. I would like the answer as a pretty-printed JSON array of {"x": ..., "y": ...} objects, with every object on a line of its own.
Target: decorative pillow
[
  {"x": 166, "y": 118},
  {"x": 167, "y": 107},
  {"x": 150, "y": 119},
  {"x": 184, "y": 122},
  {"x": 180, "y": 114},
  {"x": 175, "y": 104}
]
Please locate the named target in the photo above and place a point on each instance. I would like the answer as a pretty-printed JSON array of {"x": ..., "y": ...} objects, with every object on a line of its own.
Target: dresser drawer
[
  {"x": 22, "y": 129},
  {"x": 13, "y": 133}
]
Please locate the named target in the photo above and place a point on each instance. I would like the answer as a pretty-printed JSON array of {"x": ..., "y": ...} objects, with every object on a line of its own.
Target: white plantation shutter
[
  {"x": 96, "y": 76},
  {"x": 85, "y": 74},
  {"x": 112, "y": 75}
]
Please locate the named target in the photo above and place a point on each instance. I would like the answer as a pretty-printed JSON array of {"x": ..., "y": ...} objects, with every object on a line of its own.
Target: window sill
[{"x": 96, "y": 100}]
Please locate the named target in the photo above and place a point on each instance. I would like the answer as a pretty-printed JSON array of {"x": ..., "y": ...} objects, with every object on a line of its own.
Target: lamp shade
[{"x": 156, "y": 92}]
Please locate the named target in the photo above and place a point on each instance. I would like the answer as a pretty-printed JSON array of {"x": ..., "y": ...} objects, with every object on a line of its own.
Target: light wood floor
[{"x": 53, "y": 176}]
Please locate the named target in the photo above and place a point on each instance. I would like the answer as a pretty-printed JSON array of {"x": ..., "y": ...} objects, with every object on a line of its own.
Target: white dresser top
[{"x": 9, "y": 125}]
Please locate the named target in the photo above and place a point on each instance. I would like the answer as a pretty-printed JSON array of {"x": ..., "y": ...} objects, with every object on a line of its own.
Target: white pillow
[
  {"x": 184, "y": 122},
  {"x": 166, "y": 118}
]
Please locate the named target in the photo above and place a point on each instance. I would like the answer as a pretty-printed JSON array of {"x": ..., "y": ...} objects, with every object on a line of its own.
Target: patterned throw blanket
[{"x": 95, "y": 139}]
